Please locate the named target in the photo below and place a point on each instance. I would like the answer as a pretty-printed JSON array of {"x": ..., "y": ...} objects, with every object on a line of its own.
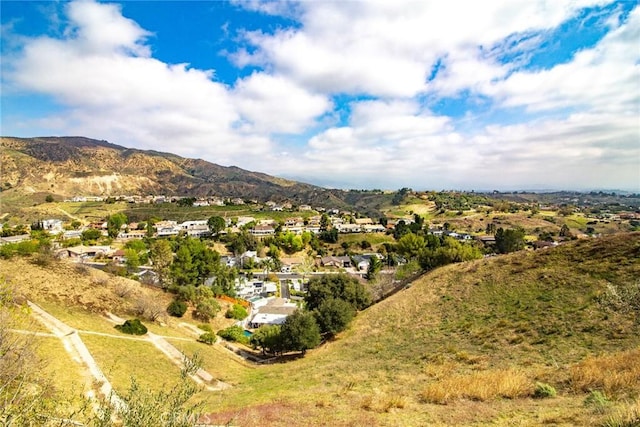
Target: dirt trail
[
  {"x": 201, "y": 377},
  {"x": 68, "y": 214},
  {"x": 79, "y": 352}
]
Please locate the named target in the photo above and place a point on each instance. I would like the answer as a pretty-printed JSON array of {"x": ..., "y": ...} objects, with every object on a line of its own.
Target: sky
[{"x": 440, "y": 95}]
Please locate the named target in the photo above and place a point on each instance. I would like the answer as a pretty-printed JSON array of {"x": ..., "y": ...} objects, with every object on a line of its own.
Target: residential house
[
  {"x": 336, "y": 261},
  {"x": 274, "y": 312},
  {"x": 53, "y": 226},
  {"x": 14, "y": 239},
  {"x": 81, "y": 252},
  {"x": 262, "y": 230},
  {"x": 374, "y": 228}
]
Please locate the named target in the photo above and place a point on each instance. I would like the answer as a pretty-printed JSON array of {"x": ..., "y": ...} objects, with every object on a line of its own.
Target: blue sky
[{"x": 468, "y": 95}]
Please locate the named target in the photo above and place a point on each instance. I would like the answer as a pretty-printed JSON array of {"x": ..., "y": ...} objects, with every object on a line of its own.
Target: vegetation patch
[
  {"x": 482, "y": 386},
  {"x": 132, "y": 327},
  {"x": 614, "y": 375}
]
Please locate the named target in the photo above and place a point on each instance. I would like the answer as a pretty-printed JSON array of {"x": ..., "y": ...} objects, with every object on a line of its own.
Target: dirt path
[
  {"x": 201, "y": 377},
  {"x": 68, "y": 214},
  {"x": 79, "y": 352}
]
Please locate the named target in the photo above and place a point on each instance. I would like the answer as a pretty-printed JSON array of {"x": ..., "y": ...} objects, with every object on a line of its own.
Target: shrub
[
  {"x": 207, "y": 338},
  {"x": 597, "y": 401},
  {"x": 237, "y": 312},
  {"x": 235, "y": 334},
  {"x": 132, "y": 327},
  {"x": 206, "y": 309},
  {"x": 543, "y": 391},
  {"x": 177, "y": 308}
]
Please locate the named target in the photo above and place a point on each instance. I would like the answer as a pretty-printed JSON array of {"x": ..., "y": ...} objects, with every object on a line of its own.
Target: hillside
[
  {"x": 463, "y": 345},
  {"x": 467, "y": 344},
  {"x": 69, "y": 166}
]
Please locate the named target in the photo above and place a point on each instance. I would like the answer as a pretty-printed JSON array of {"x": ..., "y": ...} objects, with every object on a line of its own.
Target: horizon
[
  {"x": 531, "y": 190},
  {"x": 349, "y": 95}
]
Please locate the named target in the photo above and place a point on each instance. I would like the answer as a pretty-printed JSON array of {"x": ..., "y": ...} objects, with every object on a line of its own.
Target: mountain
[{"x": 68, "y": 166}]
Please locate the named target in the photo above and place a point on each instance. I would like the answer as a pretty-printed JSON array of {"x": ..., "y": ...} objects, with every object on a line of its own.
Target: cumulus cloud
[
  {"x": 101, "y": 69},
  {"x": 388, "y": 49},
  {"x": 274, "y": 104},
  {"x": 348, "y": 96},
  {"x": 602, "y": 79}
]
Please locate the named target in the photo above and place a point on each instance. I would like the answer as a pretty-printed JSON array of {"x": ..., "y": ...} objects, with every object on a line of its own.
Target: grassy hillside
[
  {"x": 467, "y": 344},
  {"x": 475, "y": 339}
]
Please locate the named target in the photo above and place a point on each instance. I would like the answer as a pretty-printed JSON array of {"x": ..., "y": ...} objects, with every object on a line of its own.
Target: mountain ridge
[{"x": 68, "y": 166}]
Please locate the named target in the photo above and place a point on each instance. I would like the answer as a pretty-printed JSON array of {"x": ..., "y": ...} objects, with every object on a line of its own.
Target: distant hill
[{"x": 68, "y": 166}]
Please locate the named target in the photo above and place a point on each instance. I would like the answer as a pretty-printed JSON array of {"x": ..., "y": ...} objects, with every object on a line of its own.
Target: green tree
[
  {"x": 49, "y": 198},
  {"x": 325, "y": 222},
  {"x": 177, "y": 308},
  {"x": 410, "y": 245},
  {"x": 216, "y": 224},
  {"x": 338, "y": 286},
  {"x": 183, "y": 271},
  {"x": 206, "y": 305},
  {"x": 237, "y": 312},
  {"x": 186, "y": 202},
  {"x": 491, "y": 228},
  {"x": 114, "y": 223},
  {"x": 509, "y": 240},
  {"x": 375, "y": 265},
  {"x": 90, "y": 235},
  {"x": 161, "y": 259},
  {"x": 132, "y": 259},
  {"x": 300, "y": 332},
  {"x": 334, "y": 315},
  {"x": 268, "y": 338}
]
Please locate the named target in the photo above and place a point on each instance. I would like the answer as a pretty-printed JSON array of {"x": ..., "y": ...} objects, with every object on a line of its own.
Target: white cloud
[
  {"x": 274, "y": 104},
  {"x": 112, "y": 89},
  {"x": 604, "y": 79},
  {"x": 389, "y": 48},
  {"x": 585, "y": 131}
]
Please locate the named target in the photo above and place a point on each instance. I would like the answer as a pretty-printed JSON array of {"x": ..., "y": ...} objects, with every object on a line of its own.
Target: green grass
[
  {"x": 68, "y": 378},
  {"x": 122, "y": 359},
  {"x": 216, "y": 360}
]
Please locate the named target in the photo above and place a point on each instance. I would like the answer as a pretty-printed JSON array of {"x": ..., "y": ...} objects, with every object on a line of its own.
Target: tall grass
[
  {"x": 616, "y": 375},
  {"x": 482, "y": 386}
]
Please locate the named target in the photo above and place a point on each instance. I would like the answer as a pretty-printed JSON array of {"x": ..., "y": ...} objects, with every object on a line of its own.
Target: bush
[
  {"x": 543, "y": 391},
  {"x": 235, "y": 334},
  {"x": 237, "y": 312},
  {"x": 597, "y": 401},
  {"x": 177, "y": 308},
  {"x": 207, "y": 338},
  {"x": 132, "y": 327},
  {"x": 206, "y": 309}
]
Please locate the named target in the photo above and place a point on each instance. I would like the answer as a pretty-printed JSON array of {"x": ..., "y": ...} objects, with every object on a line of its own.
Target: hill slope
[{"x": 469, "y": 335}]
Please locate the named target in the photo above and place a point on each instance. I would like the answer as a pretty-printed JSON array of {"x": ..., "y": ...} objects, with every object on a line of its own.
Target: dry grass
[
  {"x": 628, "y": 416},
  {"x": 615, "y": 375},
  {"x": 482, "y": 386}
]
